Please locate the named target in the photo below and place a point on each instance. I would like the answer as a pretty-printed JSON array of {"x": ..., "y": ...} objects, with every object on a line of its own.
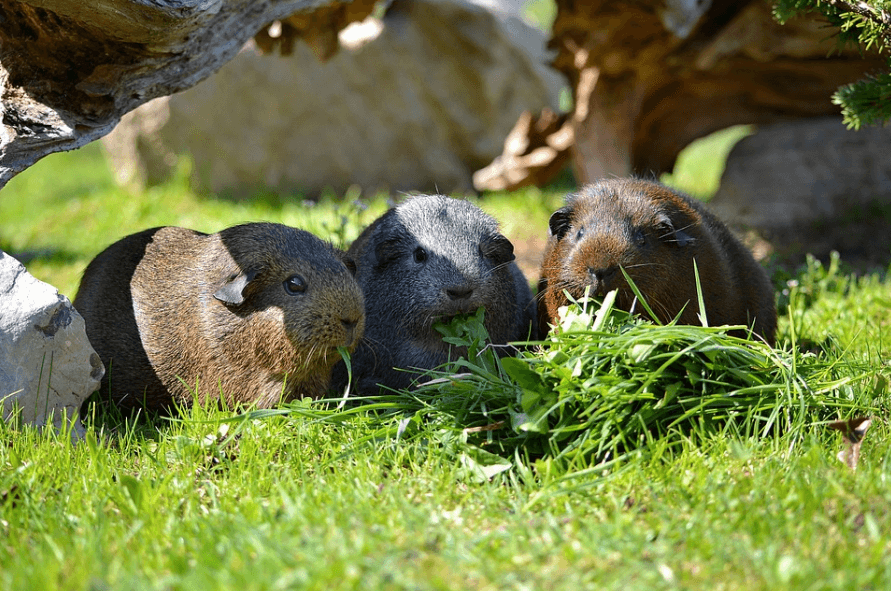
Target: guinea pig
[
  {"x": 655, "y": 234},
  {"x": 252, "y": 314},
  {"x": 427, "y": 260}
]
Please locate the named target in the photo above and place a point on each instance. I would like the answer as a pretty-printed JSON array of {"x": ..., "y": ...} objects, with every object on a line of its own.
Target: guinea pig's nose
[
  {"x": 459, "y": 292},
  {"x": 349, "y": 326},
  {"x": 603, "y": 277}
]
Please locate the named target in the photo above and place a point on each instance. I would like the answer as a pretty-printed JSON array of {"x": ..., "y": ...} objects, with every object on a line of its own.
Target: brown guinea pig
[
  {"x": 251, "y": 314},
  {"x": 655, "y": 234}
]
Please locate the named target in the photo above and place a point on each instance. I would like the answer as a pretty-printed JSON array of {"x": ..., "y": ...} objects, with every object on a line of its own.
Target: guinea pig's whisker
[
  {"x": 560, "y": 267},
  {"x": 373, "y": 346},
  {"x": 690, "y": 239},
  {"x": 661, "y": 310},
  {"x": 636, "y": 265},
  {"x": 372, "y": 342},
  {"x": 501, "y": 266},
  {"x": 309, "y": 356},
  {"x": 491, "y": 272}
]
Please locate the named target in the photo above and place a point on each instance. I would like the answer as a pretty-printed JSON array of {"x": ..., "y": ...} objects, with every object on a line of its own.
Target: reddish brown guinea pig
[{"x": 655, "y": 234}]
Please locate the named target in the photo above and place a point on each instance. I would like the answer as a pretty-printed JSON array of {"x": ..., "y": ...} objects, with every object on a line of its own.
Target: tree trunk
[{"x": 650, "y": 77}]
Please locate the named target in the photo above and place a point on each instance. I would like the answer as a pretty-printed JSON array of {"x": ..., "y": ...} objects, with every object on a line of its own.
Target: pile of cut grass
[{"x": 607, "y": 387}]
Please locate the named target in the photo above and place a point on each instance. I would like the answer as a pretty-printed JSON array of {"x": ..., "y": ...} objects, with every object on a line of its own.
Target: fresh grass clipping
[{"x": 607, "y": 385}]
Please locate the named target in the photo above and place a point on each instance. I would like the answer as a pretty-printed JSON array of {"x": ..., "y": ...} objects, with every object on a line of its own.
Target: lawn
[{"x": 434, "y": 491}]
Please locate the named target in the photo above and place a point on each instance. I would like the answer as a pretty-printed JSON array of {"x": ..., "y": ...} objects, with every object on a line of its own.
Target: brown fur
[
  {"x": 655, "y": 234},
  {"x": 170, "y": 310}
]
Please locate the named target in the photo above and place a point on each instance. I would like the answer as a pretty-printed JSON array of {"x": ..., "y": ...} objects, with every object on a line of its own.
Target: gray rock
[
  {"x": 418, "y": 101},
  {"x": 47, "y": 366},
  {"x": 789, "y": 175}
]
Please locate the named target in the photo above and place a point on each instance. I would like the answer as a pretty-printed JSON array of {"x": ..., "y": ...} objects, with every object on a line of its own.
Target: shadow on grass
[{"x": 60, "y": 256}]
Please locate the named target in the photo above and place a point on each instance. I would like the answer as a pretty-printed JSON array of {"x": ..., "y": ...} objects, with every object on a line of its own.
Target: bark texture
[
  {"x": 70, "y": 69},
  {"x": 650, "y": 77}
]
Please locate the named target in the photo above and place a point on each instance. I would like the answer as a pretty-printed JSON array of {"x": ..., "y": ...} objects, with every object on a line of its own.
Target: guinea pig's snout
[
  {"x": 602, "y": 279},
  {"x": 349, "y": 328}
]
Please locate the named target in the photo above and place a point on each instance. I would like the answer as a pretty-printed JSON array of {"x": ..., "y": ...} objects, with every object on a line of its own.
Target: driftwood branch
[
  {"x": 535, "y": 151},
  {"x": 650, "y": 77},
  {"x": 70, "y": 69}
]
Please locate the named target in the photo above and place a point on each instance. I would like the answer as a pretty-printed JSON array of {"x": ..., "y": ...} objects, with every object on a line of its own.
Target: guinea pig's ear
[
  {"x": 560, "y": 221},
  {"x": 350, "y": 263},
  {"x": 233, "y": 290},
  {"x": 388, "y": 251},
  {"x": 497, "y": 248}
]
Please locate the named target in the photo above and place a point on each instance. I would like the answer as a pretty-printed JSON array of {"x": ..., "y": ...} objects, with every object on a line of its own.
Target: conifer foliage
[{"x": 866, "y": 24}]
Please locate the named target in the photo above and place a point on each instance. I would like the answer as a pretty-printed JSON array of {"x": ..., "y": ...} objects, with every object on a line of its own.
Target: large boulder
[
  {"x": 417, "y": 100},
  {"x": 812, "y": 186},
  {"x": 789, "y": 175},
  {"x": 47, "y": 366}
]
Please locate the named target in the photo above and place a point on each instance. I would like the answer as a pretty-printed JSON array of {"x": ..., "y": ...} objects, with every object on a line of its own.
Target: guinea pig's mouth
[
  {"x": 451, "y": 316},
  {"x": 451, "y": 309},
  {"x": 435, "y": 321},
  {"x": 626, "y": 299},
  {"x": 446, "y": 318}
]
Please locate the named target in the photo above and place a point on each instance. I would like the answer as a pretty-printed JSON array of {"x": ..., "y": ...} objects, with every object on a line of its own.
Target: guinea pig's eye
[
  {"x": 580, "y": 234},
  {"x": 420, "y": 255},
  {"x": 640, "y": 237},
  {"x": 295, "y": 284}
]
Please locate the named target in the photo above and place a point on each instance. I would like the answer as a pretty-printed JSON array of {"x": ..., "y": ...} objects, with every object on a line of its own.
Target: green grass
[
  {"x": 700, "y": 165},
  {"x": 402, "y": 495},
  {"x": 540, "y": 13}
]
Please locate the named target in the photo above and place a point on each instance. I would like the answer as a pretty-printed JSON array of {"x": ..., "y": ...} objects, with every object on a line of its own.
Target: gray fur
[{"x": 468, "y": 264}]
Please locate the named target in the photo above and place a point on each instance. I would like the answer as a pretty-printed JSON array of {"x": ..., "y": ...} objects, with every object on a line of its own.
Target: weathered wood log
[
  {"x": 429, "y": 89},
  {"x": 650, "y": 77},
  {"x": 70, "y": 69},
  {"x": 535, "y": 151}
]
